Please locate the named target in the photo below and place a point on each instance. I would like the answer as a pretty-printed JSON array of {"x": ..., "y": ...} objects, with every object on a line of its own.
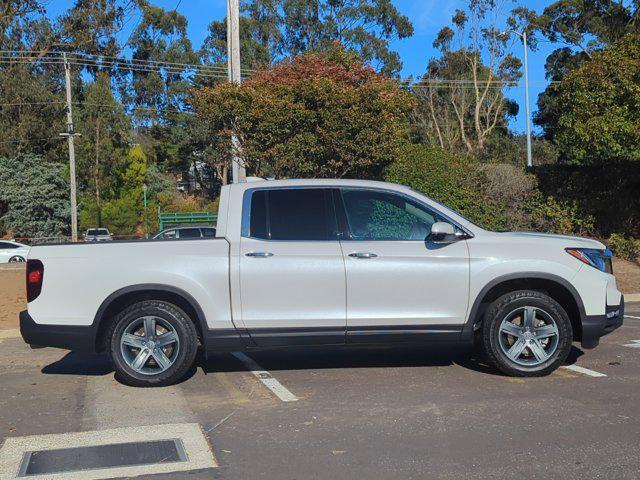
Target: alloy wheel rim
[
  {"x": 149, "y": 345},
  {"x": 528, "y": 336}
]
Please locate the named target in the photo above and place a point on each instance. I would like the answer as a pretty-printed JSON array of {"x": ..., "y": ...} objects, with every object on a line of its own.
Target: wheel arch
[
  {"x": 121, "y": 299},
  {"x": 556, "y": 287}
]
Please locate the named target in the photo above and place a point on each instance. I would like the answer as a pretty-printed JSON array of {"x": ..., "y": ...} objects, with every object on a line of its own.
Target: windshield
[{"x": 97, "y": 231}]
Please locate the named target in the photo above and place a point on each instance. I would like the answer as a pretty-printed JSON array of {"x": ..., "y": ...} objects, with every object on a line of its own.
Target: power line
[
  {"x": 19, "y": 104},
  {"x": 214, "y": 71},
  {"x": 30, "y": 140},
  {"x": 124, "y": 67},
  {"x": 85, "y": 64},
  {"x": 36, "y": 55}
]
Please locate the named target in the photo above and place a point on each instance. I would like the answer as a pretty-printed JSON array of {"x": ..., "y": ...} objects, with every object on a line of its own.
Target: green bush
[
  {"x": 624, "y": 247},
  {"x": 608, "y": 194},
  {"x": 551, "y": 215},
  {"x": 451, "y": 179},
  {"x": 495, "y": 196}
]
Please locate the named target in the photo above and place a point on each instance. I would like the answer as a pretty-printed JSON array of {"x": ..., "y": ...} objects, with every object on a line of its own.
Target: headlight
[{"x": 600, "y": 259}]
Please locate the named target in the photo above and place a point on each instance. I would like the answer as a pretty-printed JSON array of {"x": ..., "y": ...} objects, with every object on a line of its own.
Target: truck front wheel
[
  {"x": 526, "y": 333},
  {"x": 152, "y": 343}
]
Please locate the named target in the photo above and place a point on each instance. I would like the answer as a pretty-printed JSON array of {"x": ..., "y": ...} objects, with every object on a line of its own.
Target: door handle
[
  {"x": 363, "y": 255},
  {"x": 259, "y": 254}
]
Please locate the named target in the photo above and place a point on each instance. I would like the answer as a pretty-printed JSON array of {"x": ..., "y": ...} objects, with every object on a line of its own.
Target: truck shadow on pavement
[
  {"x": 315, "y": 358},
  {"x": 362, "y": 357},
  {"x": 74, "y": 363}
]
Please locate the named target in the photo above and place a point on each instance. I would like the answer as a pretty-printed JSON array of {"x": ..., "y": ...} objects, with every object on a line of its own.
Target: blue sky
[{"x": 428, "y": 17}]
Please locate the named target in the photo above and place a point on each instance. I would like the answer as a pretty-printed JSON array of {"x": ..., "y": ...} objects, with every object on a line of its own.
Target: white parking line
[
  {"x": 584, "y": 371},
  {"x": 631, "y": 316},
  {"x": 266, "y": 378},
  {"x": 633, "y": 344}
]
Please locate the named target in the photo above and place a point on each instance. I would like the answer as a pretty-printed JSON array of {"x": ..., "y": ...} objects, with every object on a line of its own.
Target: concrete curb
[
  {"x": 632, "y": 297},
  {"x": 10, "y": 333}
]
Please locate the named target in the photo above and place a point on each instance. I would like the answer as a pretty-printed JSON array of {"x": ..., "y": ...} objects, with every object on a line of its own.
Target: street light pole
[
  {"x": 526, "y": 99},
  {"x": 144, "y": 201},
  {"x": 527, "y": 106}
]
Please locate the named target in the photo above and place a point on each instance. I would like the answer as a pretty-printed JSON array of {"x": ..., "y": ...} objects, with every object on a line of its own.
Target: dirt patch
[
  {"x": 627, "y": 275},
  {"x": 13, "y": 297}
]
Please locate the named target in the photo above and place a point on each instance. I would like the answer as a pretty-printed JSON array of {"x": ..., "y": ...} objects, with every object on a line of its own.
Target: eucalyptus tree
[
  {"x": 273, "y": 29},
  {"x": 461, "y": 95}
]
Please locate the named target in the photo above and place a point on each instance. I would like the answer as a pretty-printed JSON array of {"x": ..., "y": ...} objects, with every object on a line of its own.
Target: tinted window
[
  {"x": 169, "y": 234},
  {"x": 374, "y": 215},
  {"x": 208, "y": 232},
  {"x": 296, "y": 214},
  {"x": 189, "y": 233},
  {"x": 7, "y": 245},
  {"x": 258, "y": 215}
]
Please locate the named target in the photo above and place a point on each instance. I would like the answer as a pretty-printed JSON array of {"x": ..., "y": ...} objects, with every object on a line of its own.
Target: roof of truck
[{"x": 254, "y": 182}]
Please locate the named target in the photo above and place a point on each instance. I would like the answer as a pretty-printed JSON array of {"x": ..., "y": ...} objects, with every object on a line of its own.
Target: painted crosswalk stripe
[
  {"x": 584, "y": 371},
  {"x": 266, "y": 378}
]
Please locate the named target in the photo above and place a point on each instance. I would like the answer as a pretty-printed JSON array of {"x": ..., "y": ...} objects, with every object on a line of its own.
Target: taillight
[{"x": 35, "y": 275}]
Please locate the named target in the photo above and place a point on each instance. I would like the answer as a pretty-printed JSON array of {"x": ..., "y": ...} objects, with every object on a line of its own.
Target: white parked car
[
  {"x": 13, "y": 252},
  {"x": 323, "y": 262}
]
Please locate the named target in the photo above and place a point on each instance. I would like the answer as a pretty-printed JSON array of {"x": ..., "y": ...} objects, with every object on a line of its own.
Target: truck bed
[{"x": 76, "y": 275}]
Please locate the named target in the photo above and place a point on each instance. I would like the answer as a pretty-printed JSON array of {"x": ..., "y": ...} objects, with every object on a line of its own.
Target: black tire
[
  {"x": 491, "y": 335},
  {"x": 183, "y": 327}
]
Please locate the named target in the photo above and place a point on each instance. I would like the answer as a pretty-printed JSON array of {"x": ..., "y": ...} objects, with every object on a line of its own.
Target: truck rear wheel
[
  {"x": 152, "y": 343},
  {"x": 526, "y": 333}
]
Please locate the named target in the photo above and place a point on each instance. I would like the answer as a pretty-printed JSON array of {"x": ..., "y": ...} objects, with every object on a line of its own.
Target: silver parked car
[
  {"x": 97, "y": 235},
  {"x": 186, "y": 232}
]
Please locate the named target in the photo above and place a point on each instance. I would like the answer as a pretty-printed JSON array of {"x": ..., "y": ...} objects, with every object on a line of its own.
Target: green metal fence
[{"x": 175, "y": 219}]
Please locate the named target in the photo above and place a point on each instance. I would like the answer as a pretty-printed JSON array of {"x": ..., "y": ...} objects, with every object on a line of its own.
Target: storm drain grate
[{"x": 114, "y": 455}]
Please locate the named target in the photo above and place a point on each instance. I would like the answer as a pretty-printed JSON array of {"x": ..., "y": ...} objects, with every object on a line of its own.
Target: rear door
[
  {"x": 400, "y": 287},
  {"x": 292, "y": 274}
]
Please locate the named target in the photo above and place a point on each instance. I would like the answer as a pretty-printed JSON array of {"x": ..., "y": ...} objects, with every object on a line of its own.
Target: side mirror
[{"x": 442, "y": 232}]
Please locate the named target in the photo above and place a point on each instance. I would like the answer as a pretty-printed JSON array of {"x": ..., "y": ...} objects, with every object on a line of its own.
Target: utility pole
[
  {"x": 238, "y": 171},
  {"x": 70, "y": 134}
]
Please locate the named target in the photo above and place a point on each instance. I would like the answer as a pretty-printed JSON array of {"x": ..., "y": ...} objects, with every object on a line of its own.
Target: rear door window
[{"x": 296, "y": 214}]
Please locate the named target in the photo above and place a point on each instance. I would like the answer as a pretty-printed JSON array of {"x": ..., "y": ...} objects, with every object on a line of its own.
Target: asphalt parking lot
[{"x": 353, "y": 413}]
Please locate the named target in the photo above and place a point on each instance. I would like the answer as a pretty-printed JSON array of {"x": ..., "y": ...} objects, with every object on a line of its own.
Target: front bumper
[
  {"x": 596, "y": 326},
  {"x": 69, "y": 337}
]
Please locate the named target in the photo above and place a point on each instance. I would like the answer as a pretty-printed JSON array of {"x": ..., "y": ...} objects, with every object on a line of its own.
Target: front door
[
  {"x": 400, "y": 287},
  {"x": 292, "y": 275}
]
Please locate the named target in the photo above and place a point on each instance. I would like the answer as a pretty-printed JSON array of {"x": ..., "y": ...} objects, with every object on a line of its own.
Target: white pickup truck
[{"x": 323, "y": 262}]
